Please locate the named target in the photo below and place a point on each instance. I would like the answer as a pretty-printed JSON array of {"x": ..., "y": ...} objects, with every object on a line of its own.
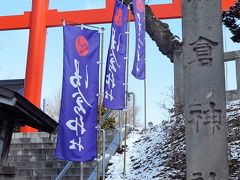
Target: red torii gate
[{"x": 41, "y": 18}]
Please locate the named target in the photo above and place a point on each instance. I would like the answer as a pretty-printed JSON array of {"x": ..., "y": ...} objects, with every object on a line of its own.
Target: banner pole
[
  {"x": 100, "y": 99},
  {"x": 103, "y": 153},
  {"x": 120, "y": 129},
  {"x": 126, "y": 91},
  {"x": 81, "y": 168},
  {"x": 145, "y": 81}
]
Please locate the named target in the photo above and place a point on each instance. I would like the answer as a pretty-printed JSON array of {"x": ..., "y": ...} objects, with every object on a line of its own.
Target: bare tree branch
[{"x": 159, "y": 32}]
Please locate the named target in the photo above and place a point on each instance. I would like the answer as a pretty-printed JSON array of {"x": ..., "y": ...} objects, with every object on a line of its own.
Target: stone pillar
[
  {"x": 204, "y": 91},
  {"x": 237, "y": 64},
  {"x": 178, "y": 81}
]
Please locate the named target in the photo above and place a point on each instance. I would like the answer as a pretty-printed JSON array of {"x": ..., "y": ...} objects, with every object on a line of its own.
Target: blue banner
[
  {"x": 139, "y": 60},
  {"x": 77, "y": 133},
  {"x": 114, "y": 87}
]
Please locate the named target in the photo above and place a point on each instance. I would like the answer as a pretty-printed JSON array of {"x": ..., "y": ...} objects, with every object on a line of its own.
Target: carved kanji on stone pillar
[
  {"x": 203, "y": 50},
  {"x": 210, "y": 118},
  {"x": 199, "y": 176}
]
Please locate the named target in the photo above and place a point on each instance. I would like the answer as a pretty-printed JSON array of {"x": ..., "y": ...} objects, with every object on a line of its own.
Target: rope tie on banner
[
  {"x": 129, "y": 6},
  {"x": 99, "y": 94},
  {"x": 101, "y": 30},
  {"x": 125, "y": 109}
]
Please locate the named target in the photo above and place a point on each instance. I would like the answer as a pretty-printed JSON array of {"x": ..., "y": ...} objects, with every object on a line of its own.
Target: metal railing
[
  {"x": 106, "y": 116},
  {"x": 65, "y": 169},
  {"x": 111, "y": 150}
]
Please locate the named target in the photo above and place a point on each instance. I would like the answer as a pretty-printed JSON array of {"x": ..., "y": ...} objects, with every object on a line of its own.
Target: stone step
[
  {"x": 65, "y": 177},
  {"x": 38, "y": 172},
  {"x": 33, "y": 146},
  {"x": 21, "y": 138},
  {"x": 31, "y": 135},
  {"x": 35, "y": 157},
  {"x": 37, "y": 148},
  {"x": 27, "y": 141},
  {"x": 43, "y": 134},
  {"x": 15, "y": 152},
  {"x": 33, "y": 154},
  {"x": 52, "y": 139},
  {"x": 23, "y": 141},
  {"x": 49, "y": 164}
]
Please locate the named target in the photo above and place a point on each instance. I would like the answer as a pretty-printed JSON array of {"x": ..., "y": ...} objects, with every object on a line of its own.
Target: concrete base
[
  {"x": 9, "y": 177},
  {"x": 9, "y": 172}
]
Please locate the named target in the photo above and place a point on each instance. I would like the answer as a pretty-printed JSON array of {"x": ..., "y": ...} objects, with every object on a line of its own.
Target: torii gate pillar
[
  {"x": 36, "y": 51},
  {"x": 204, "y": 90}
]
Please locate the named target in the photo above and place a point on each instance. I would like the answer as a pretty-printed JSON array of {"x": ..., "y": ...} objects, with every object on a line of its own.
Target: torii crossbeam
[{"x": 41, "y": 18}]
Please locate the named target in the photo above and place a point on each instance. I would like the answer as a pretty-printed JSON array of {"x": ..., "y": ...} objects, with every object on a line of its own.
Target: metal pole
[
  {"x": 145, "y": 81},
  {"x": 81, "y": 171},
  {"x": 134, "y": 117},
  {"x": 145, "y": 105},
  {"x": 134, "y": 108},
  {"x": 103, "y": 153},
  {"x": 126, "y": 93},
  {"x": 100, "y": 97},
  {"x": 120, "y": 129},
  {"x": 101, "y": 73},
  {"x": 226, "y": 63}
]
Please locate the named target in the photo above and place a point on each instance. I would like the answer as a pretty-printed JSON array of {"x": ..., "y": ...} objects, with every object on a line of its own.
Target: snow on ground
[
  {"x": 116, "y": 169},
  {"x": 140, "y": 163},
  {"x": 160, "y": 152}
]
